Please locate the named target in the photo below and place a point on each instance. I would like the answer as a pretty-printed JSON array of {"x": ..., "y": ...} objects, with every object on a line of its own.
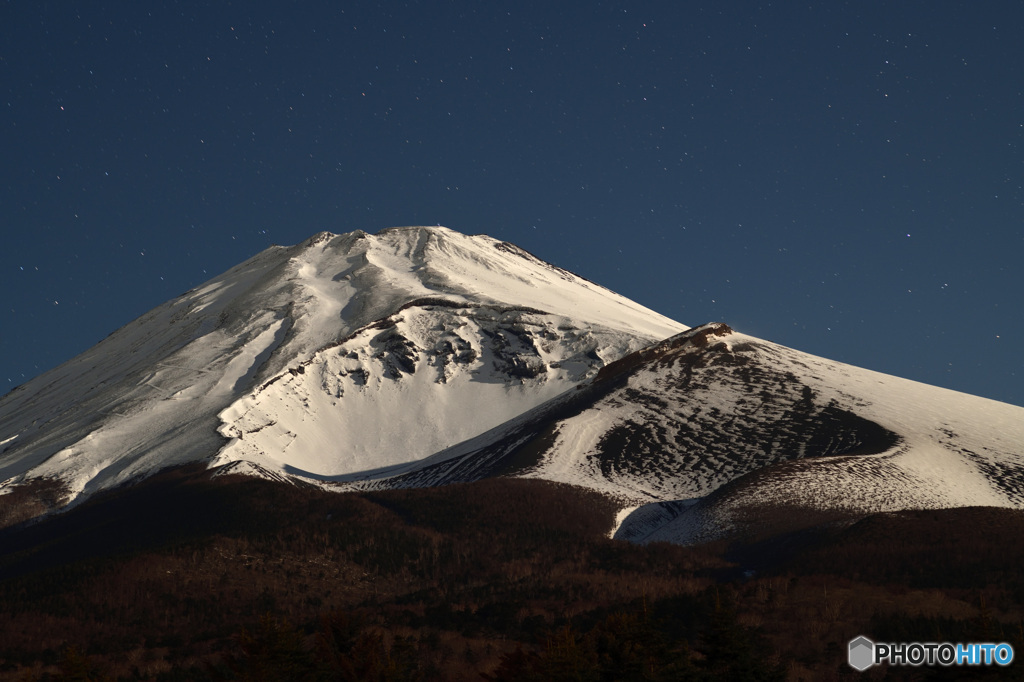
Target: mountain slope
[
  {"x": 712, "y": 433},
  {"x": 420, "y": 357},
  {"x": 320, "y": 359}
]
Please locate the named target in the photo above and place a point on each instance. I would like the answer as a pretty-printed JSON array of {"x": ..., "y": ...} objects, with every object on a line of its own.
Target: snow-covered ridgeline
[
  {"x": 168, "y": 387},
  {"x": 953, "y": 450}
]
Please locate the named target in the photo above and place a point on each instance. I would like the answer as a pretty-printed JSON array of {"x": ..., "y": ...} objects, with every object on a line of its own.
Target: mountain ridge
[
  {"x": 164, "y": 389},
  {"x": 712, "y": 434},
  {"x": 420, "y": 357}
]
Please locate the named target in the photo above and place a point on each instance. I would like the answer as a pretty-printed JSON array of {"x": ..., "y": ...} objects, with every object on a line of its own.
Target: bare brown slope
[{"x": 182, "y": 577}]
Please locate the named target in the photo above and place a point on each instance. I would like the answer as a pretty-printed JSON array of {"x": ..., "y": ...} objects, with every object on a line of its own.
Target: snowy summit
[
  {"x": 420, "y": 356},
  {"x": 335, "y": 357}
]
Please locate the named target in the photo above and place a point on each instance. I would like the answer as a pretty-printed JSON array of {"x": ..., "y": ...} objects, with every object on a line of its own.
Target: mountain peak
[
  {"x": 319, "y": 238},
  {"x": 697, "y": 337},
  {"x": 421, "y": 356},
  {"x": 320, "y": 359}
]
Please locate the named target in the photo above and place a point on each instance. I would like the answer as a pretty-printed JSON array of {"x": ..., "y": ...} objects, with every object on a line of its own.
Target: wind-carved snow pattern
[
  {"x": 712, "y": 432},
  {"x": 931, "y": 464}
]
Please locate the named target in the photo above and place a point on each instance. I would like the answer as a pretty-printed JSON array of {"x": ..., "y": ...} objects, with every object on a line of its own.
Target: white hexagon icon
[{"x": 862, "y": 653}]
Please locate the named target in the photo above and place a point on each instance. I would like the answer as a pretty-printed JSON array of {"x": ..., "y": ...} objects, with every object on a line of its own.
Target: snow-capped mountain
[
  {"x": 420, "y": 356},
  {"x": 340, "y": 355},
  {"x": 713, "y": 433}
]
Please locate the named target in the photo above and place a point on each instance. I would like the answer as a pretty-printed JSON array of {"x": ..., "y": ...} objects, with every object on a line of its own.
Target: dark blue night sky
[{"x": 842, "y": 178}]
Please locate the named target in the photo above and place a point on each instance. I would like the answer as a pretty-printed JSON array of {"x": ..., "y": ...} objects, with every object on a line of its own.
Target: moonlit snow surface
[
  {"x": 421, "y": 356},
  {"x": 713, "y": 432},
  {"x": 342, "y": 354}
]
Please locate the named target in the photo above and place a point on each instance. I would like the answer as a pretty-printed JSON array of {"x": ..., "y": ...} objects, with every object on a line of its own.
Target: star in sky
[{"x": 841, "y": 178}]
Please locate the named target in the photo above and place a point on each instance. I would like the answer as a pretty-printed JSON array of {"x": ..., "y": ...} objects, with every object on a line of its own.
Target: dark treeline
[{"x": 186, "y": 578}]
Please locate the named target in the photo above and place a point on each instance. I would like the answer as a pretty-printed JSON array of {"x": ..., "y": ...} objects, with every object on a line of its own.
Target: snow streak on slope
[
  {"x": 143, "y": 398},
  {"x": 332, "y": 338}
]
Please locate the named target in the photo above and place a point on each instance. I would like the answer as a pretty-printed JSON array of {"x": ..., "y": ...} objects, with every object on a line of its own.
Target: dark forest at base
[{"x": 186, "y": 578}]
